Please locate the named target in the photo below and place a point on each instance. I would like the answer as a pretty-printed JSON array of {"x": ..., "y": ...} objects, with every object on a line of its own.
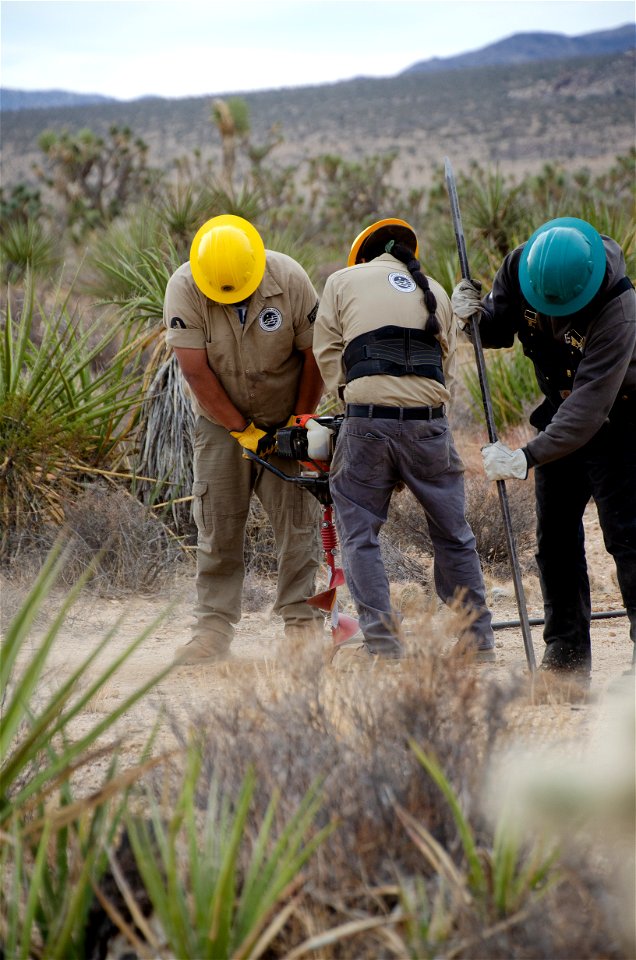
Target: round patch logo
[
  {"x": 270, "y": 319},
  {"x": 402, "y": 282}
]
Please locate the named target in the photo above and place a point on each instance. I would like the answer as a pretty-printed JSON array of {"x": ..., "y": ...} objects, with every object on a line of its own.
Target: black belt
[{"x": 393, "y": 413}]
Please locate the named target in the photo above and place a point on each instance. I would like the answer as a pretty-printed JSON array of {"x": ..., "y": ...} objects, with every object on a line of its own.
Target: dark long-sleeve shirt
[{"x": 607, "y": 367}]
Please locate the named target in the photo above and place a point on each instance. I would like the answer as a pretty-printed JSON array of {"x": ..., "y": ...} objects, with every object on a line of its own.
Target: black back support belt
[{"x": 396, "y": 351}]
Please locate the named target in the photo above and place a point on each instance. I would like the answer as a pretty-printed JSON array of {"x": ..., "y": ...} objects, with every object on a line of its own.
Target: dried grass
[
  {"x": 305, "y": 722},
  {"x": 130, "y": 550}
]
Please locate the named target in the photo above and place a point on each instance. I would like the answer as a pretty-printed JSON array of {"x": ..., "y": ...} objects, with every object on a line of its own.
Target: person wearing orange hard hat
[
  {"x": 239, "y": 319},
  {"x": 385, "y": 342},
  {"x": 565, "y": 295}
]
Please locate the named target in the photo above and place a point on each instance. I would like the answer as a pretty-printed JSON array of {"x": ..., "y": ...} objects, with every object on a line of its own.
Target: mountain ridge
[
  {"x": 534, "y": 46},
  {"x": 576, "y": 111},
  {"x": 519, "y": 48}
]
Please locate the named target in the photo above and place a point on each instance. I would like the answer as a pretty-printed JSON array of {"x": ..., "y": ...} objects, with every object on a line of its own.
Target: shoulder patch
[
  {"x": 177, "y": 322},
  {"x": 402, "y": 282},
  {"x": 311, "y": 316}
]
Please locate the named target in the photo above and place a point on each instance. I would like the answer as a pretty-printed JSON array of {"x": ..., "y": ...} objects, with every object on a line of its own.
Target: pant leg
[
  {"x": 362, "y": 480},
  {"x": 294, "y": 514},
  {"x": 222, "y": 489},
  {"x": 433, "y": 471},
  {"x": 562, "y": 492},
  {"x": 612, "y": 470}
]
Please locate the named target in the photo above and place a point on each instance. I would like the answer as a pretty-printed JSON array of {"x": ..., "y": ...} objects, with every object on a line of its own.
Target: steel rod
[{"x": 524, "y": 622}]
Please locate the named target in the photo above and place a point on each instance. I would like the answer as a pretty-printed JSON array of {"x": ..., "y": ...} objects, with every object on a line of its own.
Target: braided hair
[{"x": 405, "y": 254}]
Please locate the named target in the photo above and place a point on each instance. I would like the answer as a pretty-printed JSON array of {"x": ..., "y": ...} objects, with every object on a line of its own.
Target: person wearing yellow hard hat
[
  {"x": 385, "y": 342},
  {"x": 239, "y": 319},
  {"x": 565, "y": 295}
]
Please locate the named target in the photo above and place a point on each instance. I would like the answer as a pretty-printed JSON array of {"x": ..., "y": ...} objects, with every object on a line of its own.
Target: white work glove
[
  {"x": 502, "y": 463},
  {"x": 466, "y": 302}
]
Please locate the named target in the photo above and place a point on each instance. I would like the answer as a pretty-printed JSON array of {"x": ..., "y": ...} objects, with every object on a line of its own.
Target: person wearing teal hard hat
[{"x": 566, "y": 296}]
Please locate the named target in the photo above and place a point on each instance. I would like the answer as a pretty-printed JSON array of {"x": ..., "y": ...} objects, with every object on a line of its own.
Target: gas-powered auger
[{"x": 310, "y": 440}]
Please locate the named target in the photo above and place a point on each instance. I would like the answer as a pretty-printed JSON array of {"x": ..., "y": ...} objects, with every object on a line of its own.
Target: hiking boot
[
  {"x": 482, "y": 653},
  {"x": 485, "y": 655},
  {"x": 311, "y": 631},
  {"x": 202, "y": 651},
  {"x": 352, "y": 656}
]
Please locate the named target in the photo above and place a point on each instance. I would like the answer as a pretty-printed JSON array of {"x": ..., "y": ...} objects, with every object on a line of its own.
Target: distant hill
[
  {"x": 514, "y": 50},
  {"x": 43, "y": 99},
  {"x": 578, "y": 111},
  {"x": 533, "y": 47}
]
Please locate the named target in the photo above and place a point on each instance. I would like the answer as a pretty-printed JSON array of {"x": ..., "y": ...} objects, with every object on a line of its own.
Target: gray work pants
[
  {"x": 223, "y": 486},
  {"x": 372, "y": 456}
]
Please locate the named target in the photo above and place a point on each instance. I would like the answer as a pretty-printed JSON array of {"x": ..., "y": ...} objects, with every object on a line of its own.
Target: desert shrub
[
  {"x": 483, "y": 512},
  {"x": 416, "y": 866},
  {"x": 116, "y": 544},
  {"x": 407, "y": 528},
  {"x": 22, "y": 202},
  {"x": 95, "y": 177}
]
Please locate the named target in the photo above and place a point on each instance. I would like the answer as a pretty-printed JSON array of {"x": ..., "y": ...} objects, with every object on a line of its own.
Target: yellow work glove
[{"x": 260, "y": 442}]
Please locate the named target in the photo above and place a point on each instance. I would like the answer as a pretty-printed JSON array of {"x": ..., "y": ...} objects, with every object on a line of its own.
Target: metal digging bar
[{"x": 490, "y": 422}]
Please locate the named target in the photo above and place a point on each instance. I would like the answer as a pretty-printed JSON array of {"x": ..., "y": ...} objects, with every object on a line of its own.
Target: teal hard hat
[{"x": 562, "y": 266}]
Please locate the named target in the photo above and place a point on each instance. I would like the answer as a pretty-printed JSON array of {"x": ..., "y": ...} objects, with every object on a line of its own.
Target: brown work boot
[
  {"x": 201, "y": 651},
  {"x": 355, "y": 656},
  {"x": 311, "y": 631},
  {"x": 307, "y": 635}
]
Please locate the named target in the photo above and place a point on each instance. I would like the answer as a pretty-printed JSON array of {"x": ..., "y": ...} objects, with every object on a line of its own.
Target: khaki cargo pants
[{"x": 223, "y": 486}]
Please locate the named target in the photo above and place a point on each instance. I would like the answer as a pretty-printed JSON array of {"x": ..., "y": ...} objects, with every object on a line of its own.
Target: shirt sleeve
[
  {"x": 449, "y": 336},
  {"x": 183, "y": 312},
  {"x": 305, "y": 309},
  {"x": 328, "y": 341},
  {"x": 610, "y": 346},
  {"x": 502, "y": 306}
]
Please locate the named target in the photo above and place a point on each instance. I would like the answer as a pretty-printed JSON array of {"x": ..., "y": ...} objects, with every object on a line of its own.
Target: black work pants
[{"x": 605, "y": 470}]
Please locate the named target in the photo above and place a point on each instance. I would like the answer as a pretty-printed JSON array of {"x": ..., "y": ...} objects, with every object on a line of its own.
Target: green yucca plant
[
  {"x": 52, "y": 844},
  {"x": 61, "y": 416},
  {"x": 513, "y": 386},
  {"x": 130, "y": 265},
  {"x": 26, "y": 245},
  {"x": 31, "y": 765},
  {"x": 493, "y": 883},
  {"x": 219, "y": 891}
]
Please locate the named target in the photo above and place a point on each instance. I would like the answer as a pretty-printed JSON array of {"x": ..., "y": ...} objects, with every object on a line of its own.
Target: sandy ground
[
  {"x": 540, "y": 719},
  {"x": 544, "y": 717}
]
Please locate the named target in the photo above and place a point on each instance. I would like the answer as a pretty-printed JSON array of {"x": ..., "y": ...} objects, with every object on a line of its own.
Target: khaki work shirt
[
  {"x": 365, "y": 297},
  {"x": 257, "y": 362}
]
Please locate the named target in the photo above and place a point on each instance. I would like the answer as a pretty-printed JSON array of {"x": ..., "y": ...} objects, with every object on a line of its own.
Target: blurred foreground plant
[
  {"x": 218, "y": 890},
  {"x": 52, "y": 843}
]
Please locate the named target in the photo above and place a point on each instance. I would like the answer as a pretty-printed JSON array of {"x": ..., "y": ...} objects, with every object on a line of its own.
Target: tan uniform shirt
[
  {"x": 380, "y": 293},
  {"x": 257, "y": 362}
]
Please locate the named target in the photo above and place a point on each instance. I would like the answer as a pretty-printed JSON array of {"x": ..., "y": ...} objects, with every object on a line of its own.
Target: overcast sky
[{"x": 180, "y": 48}]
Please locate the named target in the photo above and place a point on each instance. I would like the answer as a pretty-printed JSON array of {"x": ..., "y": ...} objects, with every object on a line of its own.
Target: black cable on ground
[{"x": 537, "y": 621}]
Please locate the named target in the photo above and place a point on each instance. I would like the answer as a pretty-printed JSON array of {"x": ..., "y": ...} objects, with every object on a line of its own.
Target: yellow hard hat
[
  {"x": 227, "y": 259},
  {"x": 382, "y": 231}
]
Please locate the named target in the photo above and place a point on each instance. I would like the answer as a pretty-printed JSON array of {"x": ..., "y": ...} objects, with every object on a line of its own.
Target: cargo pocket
[{"x": 200, "y": 505}]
